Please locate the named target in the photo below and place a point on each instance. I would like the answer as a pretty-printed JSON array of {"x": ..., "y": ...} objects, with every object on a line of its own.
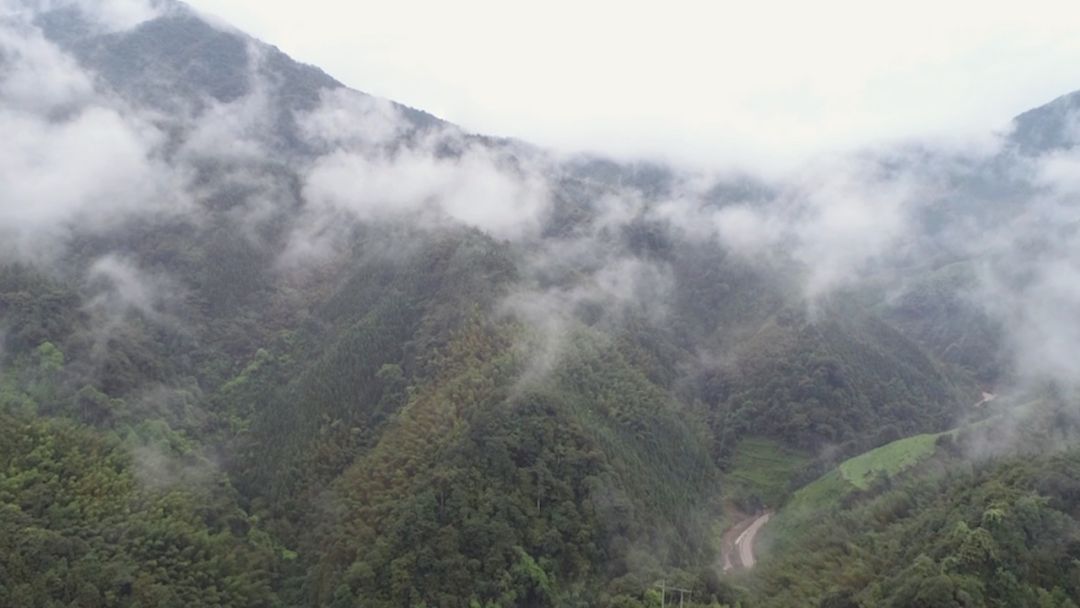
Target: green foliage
[
  {"x": 509, "y": 495},
  {"x": 34, "y": 309},
  {"x": 761, "y": 473},
  {"x": 399, "y": 439},
  {"x": 857, "y": 474},
  {"x": 49, "y": 358},
  {"x": 370, "y": 425},
  {"x": 1003, "y": 534},
  {"x": 846, "y": 380},
  {"x": 79, "y": 527},
  {"x": 888, "y": 460},
  {"x": 323, "y": 399}
]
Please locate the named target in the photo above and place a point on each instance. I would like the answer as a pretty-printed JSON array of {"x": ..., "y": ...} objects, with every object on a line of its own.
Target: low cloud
[
  {"x": 471, "y": 188},
  {"x": 834, "y": 219},
  {"x": 1059, "y": 172},
  {"x": 376, "y": 165},
  {"x": 124, "y": 287},
  {"x": 89, "y": 170},
  {"x": 351, "y": 120},
  {"x": 77, "y": 157},
  {"x": 1029, "y": 274},
  {"x": 851, "y": 218},
  {"x": 605, "y": 297},
  {"x": 108, "y": 15},
  {"x": 36, "y": 77},
  {"x": 71, "y": 156}
]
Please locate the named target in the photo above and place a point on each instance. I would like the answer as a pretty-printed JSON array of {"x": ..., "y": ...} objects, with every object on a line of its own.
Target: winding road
[
  {"x": 738, "y": 552},
  {"x": 744, "y": 544},
  {"x": 737, "y": 545}
]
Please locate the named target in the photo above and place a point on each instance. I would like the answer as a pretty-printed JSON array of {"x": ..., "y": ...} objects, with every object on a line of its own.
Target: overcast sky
[{"x": 710, "y": 81}]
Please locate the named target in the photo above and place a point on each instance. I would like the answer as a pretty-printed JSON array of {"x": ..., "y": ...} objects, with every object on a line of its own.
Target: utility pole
[{"x": 683, "y": 593}]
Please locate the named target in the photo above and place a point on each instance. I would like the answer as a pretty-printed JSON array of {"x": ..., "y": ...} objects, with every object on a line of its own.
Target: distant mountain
[
  {"x": 177, "y": 62},
  {"x": 1053, "y": 126}
]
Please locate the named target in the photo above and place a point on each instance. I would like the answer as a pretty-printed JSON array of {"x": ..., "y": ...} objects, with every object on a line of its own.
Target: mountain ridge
[{"x": 407, "y": 365}]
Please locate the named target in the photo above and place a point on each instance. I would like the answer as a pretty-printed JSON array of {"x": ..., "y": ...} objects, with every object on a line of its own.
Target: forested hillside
[
  {"x": 1001, "y": 530},
  {"x": 268, "y": 341}
]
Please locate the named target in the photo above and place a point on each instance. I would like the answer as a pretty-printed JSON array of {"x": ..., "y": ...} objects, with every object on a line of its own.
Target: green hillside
[{"x": 267, "y": 341}]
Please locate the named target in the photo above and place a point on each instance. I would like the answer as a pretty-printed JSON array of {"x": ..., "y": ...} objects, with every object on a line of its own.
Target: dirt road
[
  {"x": 737, "y": 547},
  {"x": 744, "y": 544}
]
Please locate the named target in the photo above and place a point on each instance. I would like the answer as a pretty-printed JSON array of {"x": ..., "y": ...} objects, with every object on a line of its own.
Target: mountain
[
  {"x": 1049, "y": 127},
  {"x": 178, "y": 62},
  {"x": 271, "y": 341}
]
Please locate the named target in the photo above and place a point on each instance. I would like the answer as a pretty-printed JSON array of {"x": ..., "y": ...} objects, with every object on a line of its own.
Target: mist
[
  {"x": 773, "y": 84},
  {"x": 296, "y": 175},
  {"x": 348, "y": 335}
]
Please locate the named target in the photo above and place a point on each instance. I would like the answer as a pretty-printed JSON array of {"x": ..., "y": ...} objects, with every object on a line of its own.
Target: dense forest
[
  {"x": 319, "y": 349},
  {"x": 1000, "y": 530}
]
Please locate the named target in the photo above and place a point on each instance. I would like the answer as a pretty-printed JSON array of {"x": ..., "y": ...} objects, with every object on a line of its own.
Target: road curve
[
  {"x": 737, "y": 546},
  {"x": 744, "y": 544}
]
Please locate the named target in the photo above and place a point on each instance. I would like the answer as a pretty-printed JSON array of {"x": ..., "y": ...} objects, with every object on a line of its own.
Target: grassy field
[
  {"x": 763, "y": 469},
  {"x": 858, "y": 473},
  {"x": 887, "y": 460},
  {"x": 854, "y": 474}
]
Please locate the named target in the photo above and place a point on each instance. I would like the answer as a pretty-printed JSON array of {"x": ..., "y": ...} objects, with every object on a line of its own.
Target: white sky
[{"x": 713, "y": 82}]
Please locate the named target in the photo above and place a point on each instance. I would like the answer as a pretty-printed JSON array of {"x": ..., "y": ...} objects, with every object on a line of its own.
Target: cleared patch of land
[
  {"x": 760, "y": 477},
  {"x": 854, "y": 474},
  {"x": 762, "y": 470},
  {"x": 887, "y": 460}
]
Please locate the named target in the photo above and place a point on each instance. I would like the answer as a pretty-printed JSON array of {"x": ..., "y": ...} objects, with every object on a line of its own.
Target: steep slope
[
  {"x": 81, "y": 526},
  {"x": 562, "y": 485},
  {"x": 424, "y": 385},
  {"x": 846, "y": 380},
  {"x": 982, "y": 515},
  {"x": 179, "y": 63}
]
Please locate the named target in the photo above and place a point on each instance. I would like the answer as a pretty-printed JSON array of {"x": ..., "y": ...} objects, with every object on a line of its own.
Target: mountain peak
[{"x": 1055, "y": 125}]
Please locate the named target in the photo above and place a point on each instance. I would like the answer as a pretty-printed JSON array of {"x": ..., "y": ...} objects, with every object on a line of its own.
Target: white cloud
[
  {"x": 119, "y": 15},
  {"x": 1029, "y": 274},
  {"x": 87, "y": 169},
  {"x": 127, "y": 287},
  {"x": 1037, "y": 301},
  {"x": 834, "y": 218},
  {"x": 470, "y": 188},
  {"x": 70, "y": 156},
  {"x": 1060, "y": 171},
  {"x": 850, "y": 220},
  {"x": 347, "y": 118},
  {"x": 110, "y": 15},
  {"x": 35, "y": 76},
  {"x": 233, "y": 131},
  {"x": 764, "y": 83}
]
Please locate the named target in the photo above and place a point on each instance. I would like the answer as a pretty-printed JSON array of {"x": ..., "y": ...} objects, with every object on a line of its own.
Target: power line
[{"x": 683, "y": 593}]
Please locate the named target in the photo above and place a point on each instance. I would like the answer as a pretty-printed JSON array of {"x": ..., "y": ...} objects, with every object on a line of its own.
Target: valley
[{"x": 269, "y": 341}]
